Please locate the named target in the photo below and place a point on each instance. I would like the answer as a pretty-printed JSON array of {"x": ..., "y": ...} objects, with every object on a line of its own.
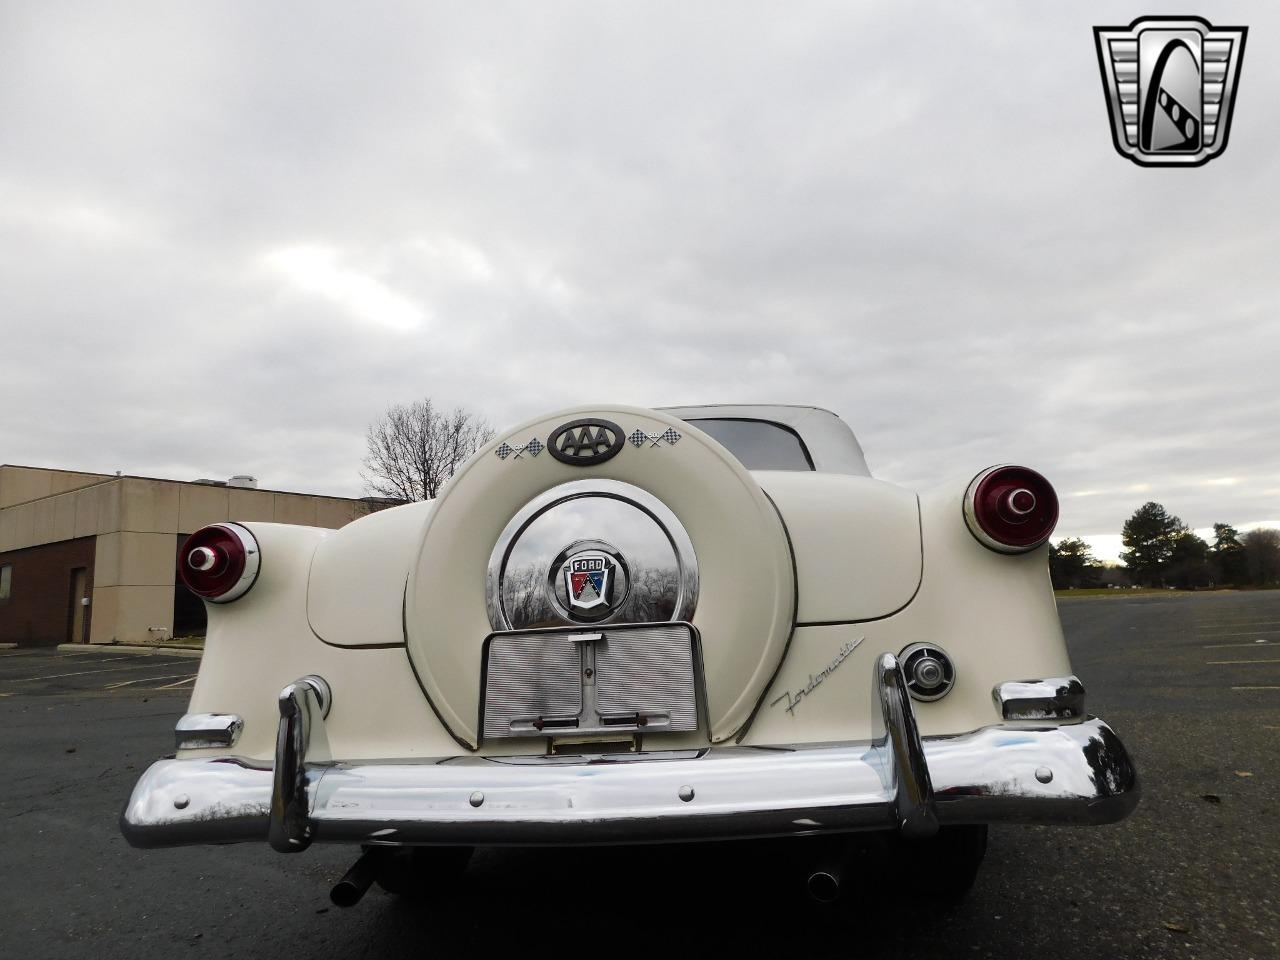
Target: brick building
[{"x": 91, "y": 558}]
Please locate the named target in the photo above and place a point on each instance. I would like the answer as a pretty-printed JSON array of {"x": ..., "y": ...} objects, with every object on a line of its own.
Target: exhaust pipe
[
  {"x": 355, "y": 882},
  {"x": 824, "y": 882}
]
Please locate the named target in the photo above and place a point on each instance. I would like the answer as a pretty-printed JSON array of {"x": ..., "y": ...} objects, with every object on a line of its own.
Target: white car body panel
[
  {"x": 321, "y": 591},
  {"x": 370, "y": 559},
  {"x": 993, "y": 613},
  {"x": 339, "y": 698},
  {"x": 856, "y": 543},
  {"x": 253, "y": 649}
]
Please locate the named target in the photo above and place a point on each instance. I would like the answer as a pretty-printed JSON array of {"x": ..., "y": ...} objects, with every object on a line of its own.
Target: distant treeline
[{"x": 1161, "y": 551}]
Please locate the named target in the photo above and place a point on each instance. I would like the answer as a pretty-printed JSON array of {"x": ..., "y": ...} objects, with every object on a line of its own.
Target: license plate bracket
[{"x": 607, "y": 681}]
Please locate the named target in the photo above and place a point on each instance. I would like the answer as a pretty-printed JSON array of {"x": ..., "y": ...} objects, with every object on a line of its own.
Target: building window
[{"x": 6, "y": 578}]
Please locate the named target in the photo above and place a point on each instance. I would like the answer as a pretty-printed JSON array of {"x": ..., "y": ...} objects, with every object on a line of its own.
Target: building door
[{"x": 79, "y": 609}]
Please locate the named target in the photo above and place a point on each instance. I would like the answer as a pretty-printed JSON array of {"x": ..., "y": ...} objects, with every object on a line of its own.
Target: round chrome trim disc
[
  {"x": 647, "y": 569},
  {"x": 929, "y": 671}
]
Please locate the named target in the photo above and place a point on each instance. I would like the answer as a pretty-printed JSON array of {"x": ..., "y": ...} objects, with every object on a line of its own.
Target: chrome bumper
[{"x": 1041, "y": 771}]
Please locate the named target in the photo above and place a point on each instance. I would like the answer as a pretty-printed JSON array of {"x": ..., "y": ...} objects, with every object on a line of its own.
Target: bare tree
[{"x": 413, "y": 449}]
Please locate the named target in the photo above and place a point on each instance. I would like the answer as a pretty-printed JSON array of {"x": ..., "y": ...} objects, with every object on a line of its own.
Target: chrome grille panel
[
  {"x": 530, "y": 676},
  {"x": 647, "y": 672},
  {"x": 608, "y": 681}
]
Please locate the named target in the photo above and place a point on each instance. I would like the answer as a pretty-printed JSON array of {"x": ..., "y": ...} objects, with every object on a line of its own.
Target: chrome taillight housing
[
  {"x": 219, "y": 562},
  {"x": 1010, "y": 509}
]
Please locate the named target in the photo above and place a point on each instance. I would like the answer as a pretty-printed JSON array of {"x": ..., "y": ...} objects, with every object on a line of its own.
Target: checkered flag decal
[
  {"x": 533, "y": 448},
  {"x": 639, "y": 438}
]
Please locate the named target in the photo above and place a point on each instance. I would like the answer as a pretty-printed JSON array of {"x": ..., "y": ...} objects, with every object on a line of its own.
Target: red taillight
[
  {"x": 219, "y": 562},
  {"x": 1011, "y": 509}
]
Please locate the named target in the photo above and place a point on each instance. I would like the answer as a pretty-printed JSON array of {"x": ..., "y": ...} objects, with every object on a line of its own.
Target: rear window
[{"x": 759, "y": 444}]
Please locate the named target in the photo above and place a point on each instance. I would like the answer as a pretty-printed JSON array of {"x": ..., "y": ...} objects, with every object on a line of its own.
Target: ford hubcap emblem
[
  {"x": 588, "y": 577},
  {"x": 586, "y": 442},
  {"x": 589, "y": 581}
]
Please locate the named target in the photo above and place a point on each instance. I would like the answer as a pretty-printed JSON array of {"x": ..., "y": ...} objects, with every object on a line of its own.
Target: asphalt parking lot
[{"x": 1192, "y": 683}]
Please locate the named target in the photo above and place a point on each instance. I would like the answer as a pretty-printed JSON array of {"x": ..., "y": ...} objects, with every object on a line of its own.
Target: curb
[
  {"x": 129, "y": 648},
  {"x": 8, "y": 646}
]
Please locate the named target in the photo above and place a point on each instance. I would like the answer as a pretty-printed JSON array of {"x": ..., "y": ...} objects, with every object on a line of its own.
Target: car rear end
[{"x": 608, "y": 629}]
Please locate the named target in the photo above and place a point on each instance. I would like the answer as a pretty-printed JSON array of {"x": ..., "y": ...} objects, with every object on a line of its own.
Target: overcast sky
[{"x": 232, "y": 234}]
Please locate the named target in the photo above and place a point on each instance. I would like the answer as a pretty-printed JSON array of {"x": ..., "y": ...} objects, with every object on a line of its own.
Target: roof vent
[{"x": 244, "y": 481}]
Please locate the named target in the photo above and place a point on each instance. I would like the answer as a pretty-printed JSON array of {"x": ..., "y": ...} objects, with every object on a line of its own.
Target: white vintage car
[{"x": 624, "y": 625}]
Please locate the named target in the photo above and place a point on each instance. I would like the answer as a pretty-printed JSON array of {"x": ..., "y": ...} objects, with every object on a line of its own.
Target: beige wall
[
  {"x": 128, "y": 559},
  {"x": 137, "y": 522},
  {"x": 140, "y": 505},
  {"x": 149, "y": 507},
  {"x": 133, "y": 587},
  {"x": 85, "y": 512},
  {"x": 124, "y": 614},
  {"x": 20, "y": 484}
]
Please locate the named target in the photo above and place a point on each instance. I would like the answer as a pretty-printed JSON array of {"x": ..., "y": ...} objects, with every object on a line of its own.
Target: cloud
[
  {"x": 315, "y": 269},
  {"x": 911, "y": 215}
]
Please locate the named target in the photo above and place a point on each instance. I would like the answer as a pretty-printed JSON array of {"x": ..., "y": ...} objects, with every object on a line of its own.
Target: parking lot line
[
  {"x": 1255, "y": 688},
  {"x": 1242, "y": 661},
  {"x": 15, "y": 655},
  {"x": 180, "y": 683},
  {"x": 125, "y": 683},
  {"x": 1248, "y": 633},
  {"x": 1255, "y": 643},
  {"x": 1237, "y": 622},
  {"x": 82, "y": 673}
]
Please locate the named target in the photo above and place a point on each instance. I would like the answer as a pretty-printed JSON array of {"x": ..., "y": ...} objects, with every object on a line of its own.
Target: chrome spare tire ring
[{"x": 655, "y": 574}]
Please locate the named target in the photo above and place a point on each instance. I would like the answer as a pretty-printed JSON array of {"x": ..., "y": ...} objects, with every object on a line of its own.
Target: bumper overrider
[{"x": 1045, "y": 763}]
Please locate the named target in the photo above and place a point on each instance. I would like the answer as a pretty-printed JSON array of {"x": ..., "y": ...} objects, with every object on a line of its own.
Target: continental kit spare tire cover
[{"x": 638, "y": 487}]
